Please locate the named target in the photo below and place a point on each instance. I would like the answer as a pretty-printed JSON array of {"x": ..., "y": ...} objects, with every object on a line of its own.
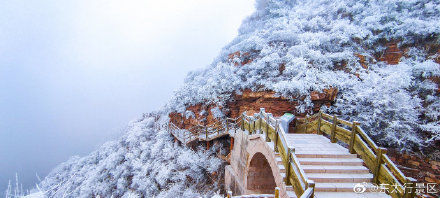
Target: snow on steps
[{"x": 334, "y": 170}]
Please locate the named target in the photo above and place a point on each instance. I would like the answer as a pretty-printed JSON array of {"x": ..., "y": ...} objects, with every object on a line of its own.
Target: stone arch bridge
[{"x": 324, "y": 157}]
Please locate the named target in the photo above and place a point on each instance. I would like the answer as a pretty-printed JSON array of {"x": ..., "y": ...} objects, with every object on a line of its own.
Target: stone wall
[{"x": 240, "y": 171}]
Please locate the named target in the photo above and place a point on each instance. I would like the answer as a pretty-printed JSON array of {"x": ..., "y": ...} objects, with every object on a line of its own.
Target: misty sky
[{"x": 74, "y": 72}]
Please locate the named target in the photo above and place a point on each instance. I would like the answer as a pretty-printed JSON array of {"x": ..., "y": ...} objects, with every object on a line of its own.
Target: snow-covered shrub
[
  {"x": 144, "y": 163},
  {"x": 217, "y": 113}
]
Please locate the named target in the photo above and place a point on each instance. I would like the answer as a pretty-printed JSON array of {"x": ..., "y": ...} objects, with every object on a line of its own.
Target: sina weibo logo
[{"x": 360, "y": 188}]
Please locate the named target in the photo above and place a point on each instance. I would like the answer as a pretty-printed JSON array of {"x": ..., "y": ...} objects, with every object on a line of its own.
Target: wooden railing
[
  {"x": 259, "y": 123},
  {"x": 358, "y": 142},
  {"x": 204, "y": 132},
  {"x": 265, "y": 123}
]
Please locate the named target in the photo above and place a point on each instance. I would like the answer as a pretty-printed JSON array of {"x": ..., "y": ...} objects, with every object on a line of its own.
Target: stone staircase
[
  {"x": 334, "y": 170},
  {"x": 322, "y": 168},
  {"x": 289, "y": 189}
]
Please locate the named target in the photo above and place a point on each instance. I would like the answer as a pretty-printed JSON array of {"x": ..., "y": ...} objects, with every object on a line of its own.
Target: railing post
[
  {"x": 380, "y": 151},
  {"x": 306, "y": 124},
  {"x": 242, "y": 124},
  {"x": 289, "y": 162},
  {"x": 243, "y": 116},
  {"x": 333, "y": 132},
  {"x": 353, "y": 137},
  {"x": 311, "y": 184},
  {"x": 253, "y": 128},
  {"x": 276, "y": 137},
  {"x": 235, "y": 126},
  {"x": 261, "y": 124},
  {"x": 267, "y": 128},
  {"x": 412, "y": 185},
  {"x": 319, "y": 123},
  {"x": 277, "y": 192}
]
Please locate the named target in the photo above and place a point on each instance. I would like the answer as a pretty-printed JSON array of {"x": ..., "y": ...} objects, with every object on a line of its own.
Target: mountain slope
[
  {"x": 381, "y": 56},
  {"x": 145, "y": 162}
]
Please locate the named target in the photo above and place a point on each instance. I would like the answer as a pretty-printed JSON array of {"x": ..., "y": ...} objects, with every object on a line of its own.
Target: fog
[{"x": 74, "y": 72}]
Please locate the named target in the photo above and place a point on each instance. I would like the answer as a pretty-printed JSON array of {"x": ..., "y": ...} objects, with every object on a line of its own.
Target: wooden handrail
[
  {"x": 383, "y": 169},
  {"x": 309, "y": 193},
  {"x": 204, "y": 133}
]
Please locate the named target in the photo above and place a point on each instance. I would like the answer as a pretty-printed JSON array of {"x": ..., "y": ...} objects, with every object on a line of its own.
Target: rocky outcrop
[
  {"x": 327, "y": 97},
  {"x": 362, "y": 60},
  {"x": 242, "y": 58},
  {"x": 425, "y": 170},
  {"x": 392, "y": 54},
  {"x": 250, "y": 102},
  {"x": 200, "y": 114}
]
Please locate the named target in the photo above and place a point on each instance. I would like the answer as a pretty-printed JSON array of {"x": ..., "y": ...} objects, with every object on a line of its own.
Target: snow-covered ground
[{"x": 35, "y": 195}]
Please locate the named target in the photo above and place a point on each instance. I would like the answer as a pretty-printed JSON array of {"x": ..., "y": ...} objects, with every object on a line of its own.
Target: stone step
[
  {"x": 282, "y": 169},
  {"x": 279, "y": 160},
  {"x": 334, "y": 187},
  {"x": 334, "y": 169},
  {"x": 339, "y": 178},
  {"x": 283, "y": 175},
  {"x": 324, "y": 154},
  {"x": 291, "y": 194},
  {"x": 350, "y": 195},
  {"x": 331, "y": 161}
]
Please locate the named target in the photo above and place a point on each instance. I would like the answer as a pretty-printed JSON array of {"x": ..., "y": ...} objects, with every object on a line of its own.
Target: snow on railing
[
  {"x": 358, "y": 142},
  {"x": 204, "y": 133}
]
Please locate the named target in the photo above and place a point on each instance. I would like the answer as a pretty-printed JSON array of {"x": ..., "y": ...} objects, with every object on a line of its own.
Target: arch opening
[{"x": 260, "y": 178}]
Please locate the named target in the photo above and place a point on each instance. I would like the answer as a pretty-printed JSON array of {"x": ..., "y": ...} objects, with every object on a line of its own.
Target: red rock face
[
  {"x": 362, "y": 60},
  {"x": 282, "y": 68},
  {"x": 251, "y": 102},
  {"x": 436, "y": 79},
  {"x": 424, "y": 170},
  {"x": 392, "y": 54},
  {"x": 243, "y": 58},
  {"x": 201, "y": 115}
]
